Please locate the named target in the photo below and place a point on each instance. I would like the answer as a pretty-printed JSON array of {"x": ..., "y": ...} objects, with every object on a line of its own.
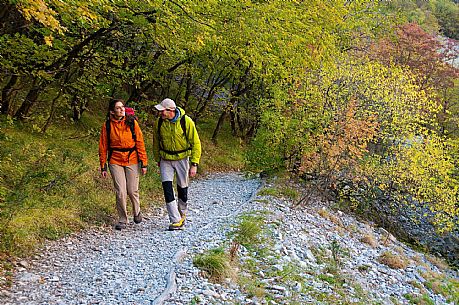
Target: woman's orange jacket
[{"x": 121, "y": 137}]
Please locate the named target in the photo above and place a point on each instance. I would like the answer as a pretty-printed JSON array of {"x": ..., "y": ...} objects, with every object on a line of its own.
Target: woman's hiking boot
[
  {"x": 120, "y": 226},
  {"x": 138, "y": 218}
]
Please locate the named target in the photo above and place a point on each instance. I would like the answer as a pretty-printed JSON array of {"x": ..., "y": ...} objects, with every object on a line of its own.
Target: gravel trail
[{"x": 131, "y": 266}]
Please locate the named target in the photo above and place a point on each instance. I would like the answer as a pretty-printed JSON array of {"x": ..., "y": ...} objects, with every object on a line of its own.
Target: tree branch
[{"x": 191, "y": 17}]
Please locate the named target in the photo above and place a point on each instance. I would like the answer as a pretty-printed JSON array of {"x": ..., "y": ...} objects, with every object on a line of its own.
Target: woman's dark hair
[{"x": 111, "y": 105}]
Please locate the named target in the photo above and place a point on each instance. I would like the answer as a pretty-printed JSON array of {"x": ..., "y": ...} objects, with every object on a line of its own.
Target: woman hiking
[{"x": 121, "y": 145}]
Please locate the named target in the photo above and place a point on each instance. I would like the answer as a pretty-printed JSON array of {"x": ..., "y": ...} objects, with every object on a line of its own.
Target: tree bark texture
[
  {"x": 7, "y": 93},
  {"x": 28, "y": 102}
]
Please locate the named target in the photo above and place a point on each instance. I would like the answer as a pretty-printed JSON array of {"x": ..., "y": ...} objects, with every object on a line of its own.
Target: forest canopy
[{"x": 362, "y": 94}]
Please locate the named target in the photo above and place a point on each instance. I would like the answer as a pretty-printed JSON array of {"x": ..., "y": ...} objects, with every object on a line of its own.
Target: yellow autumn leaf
[
  {"x": 49, "y": 40},
  {"x": 200, "y": 40}
]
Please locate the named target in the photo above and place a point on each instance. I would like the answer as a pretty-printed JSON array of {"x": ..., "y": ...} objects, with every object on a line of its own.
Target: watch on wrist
[{"x": 194, "y": 164}]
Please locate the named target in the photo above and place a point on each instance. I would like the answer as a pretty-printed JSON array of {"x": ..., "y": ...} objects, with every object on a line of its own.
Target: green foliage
[
  {"x": 259, "y": 156},
  {"x": 340, "y": 126},
  {"x": 435, "y": 16},
  {"x": 296, "y": 76},
  {"x": 426, "y": 169},
  {"x": 447, "y": 13}
]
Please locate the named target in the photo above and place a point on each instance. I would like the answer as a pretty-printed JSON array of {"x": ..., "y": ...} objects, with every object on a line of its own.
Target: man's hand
[
  {"x": 144, "y": 171},
  {"x": 193, "y": 170},
  {"x": 103, "y": 174}
]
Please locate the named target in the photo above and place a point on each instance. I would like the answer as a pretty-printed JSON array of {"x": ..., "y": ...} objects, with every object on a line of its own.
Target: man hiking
[{"x": 177, "y": 149}]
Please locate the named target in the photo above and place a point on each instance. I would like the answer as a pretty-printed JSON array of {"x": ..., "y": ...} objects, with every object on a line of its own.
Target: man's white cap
[{"x": 167, "y": 103}]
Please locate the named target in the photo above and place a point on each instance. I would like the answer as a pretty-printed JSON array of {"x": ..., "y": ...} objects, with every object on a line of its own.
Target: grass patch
[
  {"x": 423, "y": 299},
  {"x": 252, "y": 286},
  {"x": 283, "y": 188},
  {"x": 283, "y": 192},
  {"x": 6, "y": 270},
  {"x": 215, "y": 263},
  {"x": 447, "y": 287},
  {"x": 438, "y": 262},
  {"x": 227, "y": 154},
  {"x": 27, "y": 230},
  {"x": 268, "y": 191},
  {"x": 248, "y": 233},
  {"x": 370, "y": 240},
  {"x": 392, "y": 260}
]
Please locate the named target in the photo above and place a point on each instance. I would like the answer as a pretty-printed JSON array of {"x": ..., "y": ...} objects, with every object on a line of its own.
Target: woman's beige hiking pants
[{"x": 126, "y": 182}]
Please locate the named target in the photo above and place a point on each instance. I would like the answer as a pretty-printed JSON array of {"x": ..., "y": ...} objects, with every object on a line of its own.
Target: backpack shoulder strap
[
  {"x": 131, "y": 124},
  {"x": 185, "y": 131},
  {"x": 183, "y": 124},
  {"x": 160, "y": 122},
  {"x": 107, "y": 128}
]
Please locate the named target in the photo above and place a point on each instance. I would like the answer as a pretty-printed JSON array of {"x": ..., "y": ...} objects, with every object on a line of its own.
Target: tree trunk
[
  {"x": 75, "y": 110},
  {"x": 188, "y": 89},
  {"x": 233, "y": 115},
  {"x": 78, "y": 107},
  {"x": 219, "y": 81},
  {"x": 6, "y": 95},
  {"x": 217, "y": 129},
  {"x": 200, "y": 111},
  {"x": 251, "y": 132},
  {"x": 28, "y": 102},
  {"x": 51, "y": 113}
]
